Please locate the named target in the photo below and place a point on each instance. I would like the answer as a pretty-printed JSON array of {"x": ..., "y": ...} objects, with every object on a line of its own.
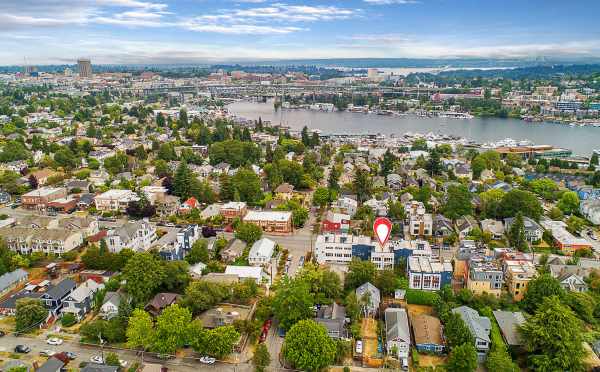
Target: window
[{"x": 416, "y": 281}]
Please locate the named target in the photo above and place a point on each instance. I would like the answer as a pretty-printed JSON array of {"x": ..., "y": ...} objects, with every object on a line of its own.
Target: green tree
[
  {"x": 463, "y": 358},
  {"x": 516, "y": 234},
  {"x": 198, "y": 253},
  {"x": 218, "y": 342},
  {"x": 143, "y": 274},
  {"x": 172, "y": 329},
  {"x": 308, "y": 347},
  {"x": 322, "y": 197},
  {"x": 539, "y": 288},
  {"x": 516, "y": 201},
  {"x": 477, "y": 167},
  {"x": 456, "y": 331},
  {"x": 553, "y": 338},
  {"x": 359, "y": 272},
  {"x": 387, "y": 163},
  {"x": 202, "y": 295},
  {"x": 248, "y": 185},
  {"x": 569, "y": 202},
  {"x": 248, "y": 232},
  {"x": 140, "y": 330},
  {"x": 434, "y": 163},
  {"x": 324, "y": 285},
  {"x": 458, "y": 202},
  {"x": 362, "y": 184},
  {"x": 292, "y": 302},
  {"x": 182, "y": 181},
  {"x": 176, "y": 276},
  {"x": 29, "y": 314},
  {"x": 261, "y": 358}
]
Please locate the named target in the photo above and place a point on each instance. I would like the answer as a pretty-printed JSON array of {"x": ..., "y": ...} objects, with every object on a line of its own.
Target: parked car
[
  {"x": 70, "y": 355},
  {"x": 208, "y": 232},
  {"x": 207, "y": 360},
  {"x": 47, "y": 352},
  {"x": 22, "y": 349},
  {"x": 97, "y": 359},
  {"x": 123, "y": 363},
  {"x": 2, "y": 334},
  {"x": 54, "y": 341}
]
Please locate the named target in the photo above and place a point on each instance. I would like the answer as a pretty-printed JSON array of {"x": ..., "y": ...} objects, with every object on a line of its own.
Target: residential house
[
  {"x": 465, "y": 225},
  {"x": 333, "y": 318},
  {"x": 233, "y": 250},
  {"x": 81, "y": 300},
  {"x": 78, "y": 186},
  {"x": 533, "y": 231},
  {"x": 254, "y": 273},
  {"x": 55, "y": 296},
  {"x": 160, "y": 302},
  {"x": 232, "y": 210},
  {"x": 261, "y": 252},
  {"x": 336, "y": 222},
  {"x": 285, "y": 191},
  {"x": 40, "y": 198},
  {"x": 135, "y": 235},
  {"x": 380, "y": 207},
  {"x": 397, "y": 332},
  {"x": 494, "y": 227},
  {"x": 518, "y": 274},
  {"x": 509, "y": 324},
  {"x": 590, "y": 209},
  {"x": 442, "y": 226},
  {"x": 427, "y": 331},
  {"x": 110, "y": 306},
  {"x": 420, "y": 223},
  {"x": 187, "y": 206},
  {"x": 368, "y": 294},
  {"x": 403, "y": 249},
  {"x": 168, "y": 205},
  {"x": 41, "y": 176},
  {"x": 25, "y": 240},
  {"x": 346, "y": 205},
  {"x": 485, "y": 276},
  {"x": 197, "y": 269},
  {"x": 480, "y": 327},
  {"x": 52, "y": 364},
  {"x": 99, "y": 177},
  {"x": 570, "y": 277},
  {"x": 176, "y": 244},
  {"x": 211, "y": 211},
  {"x": 115, "y": 200},
  {"x": 271, "y": 221},
  {"x": 155, "y": 194},
  {"x": 88, "y": 225},
  {"x": 8, "y": 281},
  {"x": 428, "y": 274},
  {"x": 394, "y": 181}
]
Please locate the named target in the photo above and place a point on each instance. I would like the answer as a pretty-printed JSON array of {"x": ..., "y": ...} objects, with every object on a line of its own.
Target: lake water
[{"x": 581, "y": 140}]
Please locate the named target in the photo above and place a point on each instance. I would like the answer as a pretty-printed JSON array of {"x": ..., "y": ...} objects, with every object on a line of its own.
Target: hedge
[{"x": 418, "y": 297}]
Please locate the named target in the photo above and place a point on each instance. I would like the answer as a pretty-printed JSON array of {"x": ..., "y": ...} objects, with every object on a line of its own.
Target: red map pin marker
[{"x": 382, "y": 227}]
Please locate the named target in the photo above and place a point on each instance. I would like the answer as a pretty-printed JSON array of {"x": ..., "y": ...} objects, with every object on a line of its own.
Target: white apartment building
[
  {"x": 420, "y": 222},
  {"x": 26, "y": 240},
  {"x": 135, "y": 235},
  {"x": 337, "y": 248},
  {"x": 115, "y": 200}
]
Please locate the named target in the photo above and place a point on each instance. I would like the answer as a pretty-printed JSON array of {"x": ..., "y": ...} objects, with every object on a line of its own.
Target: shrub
[
  {"x": 68, "y": 320},
  {"x": 417, "y": 297}
]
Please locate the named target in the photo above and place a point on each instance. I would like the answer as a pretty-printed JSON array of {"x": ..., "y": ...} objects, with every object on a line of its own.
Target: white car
[
  {"x": 97, "y": 359},
  {"x": 47, "y": 352},
  {"x": 207, "y": 360},
  {"x": 123, "y": 363},
  {"x": 359, "y": 347},
  {"x": 54, "y": 341}
]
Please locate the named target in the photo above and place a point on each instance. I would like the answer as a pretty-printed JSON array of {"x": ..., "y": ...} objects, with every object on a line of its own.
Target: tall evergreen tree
[
  {"x": 516, "y": 235},
  {"x": 182, "y": 181}
]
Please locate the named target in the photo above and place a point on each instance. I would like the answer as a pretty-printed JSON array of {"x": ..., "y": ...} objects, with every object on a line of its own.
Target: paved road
[{"x": 85, "y": 352}]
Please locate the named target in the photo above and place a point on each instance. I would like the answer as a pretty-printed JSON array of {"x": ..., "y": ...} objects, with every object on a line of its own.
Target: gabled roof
[
  {"x": 427, "y": 329},
  {"x": 396, "y": 324},
  {"x": 509, "y": 322},
  {"x": 11, "y": 278},
  {"x": 60, "y": 290},
  {"x": 478, "y": 325},
  {"x": 83, "y": 291}
]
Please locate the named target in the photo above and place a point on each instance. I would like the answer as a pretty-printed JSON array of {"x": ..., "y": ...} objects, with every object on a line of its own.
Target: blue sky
[{"x": 196, "y": 31}]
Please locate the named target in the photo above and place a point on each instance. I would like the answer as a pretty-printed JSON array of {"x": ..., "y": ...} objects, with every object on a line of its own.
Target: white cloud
[{"x": 390, "y": 2}]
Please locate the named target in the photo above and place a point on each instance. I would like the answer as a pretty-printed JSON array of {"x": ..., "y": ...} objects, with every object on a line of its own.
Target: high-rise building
[{"x": 85, "y": 67}]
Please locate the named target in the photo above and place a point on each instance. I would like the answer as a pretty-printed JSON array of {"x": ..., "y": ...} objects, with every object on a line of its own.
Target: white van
[
  {"x": 405, "y": 364},
  {"x": 359, "y": 347}
]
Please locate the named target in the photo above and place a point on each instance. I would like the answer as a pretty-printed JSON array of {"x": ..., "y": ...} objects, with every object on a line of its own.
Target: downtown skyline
[{"x": 204, "y": 31}]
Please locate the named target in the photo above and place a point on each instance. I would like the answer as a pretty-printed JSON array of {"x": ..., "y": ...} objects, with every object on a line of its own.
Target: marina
[{"x": 581, "y": 140}]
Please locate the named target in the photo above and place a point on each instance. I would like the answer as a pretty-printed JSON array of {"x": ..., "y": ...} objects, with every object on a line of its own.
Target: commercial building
[
  {"x": 84, "y": 66},
  {"x": 40, "y": 198},
  {"x": 271, "y": 221},
  {"x": 233, "y": 210},
  {"x": 565, "y": 241},
  {"x": 335, "y": 248}
]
